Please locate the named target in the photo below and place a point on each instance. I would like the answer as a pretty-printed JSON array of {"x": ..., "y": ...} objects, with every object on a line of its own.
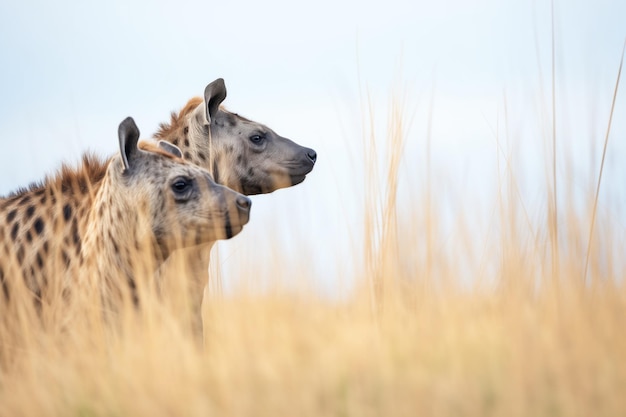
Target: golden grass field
[{"x": 528, "y": 334}]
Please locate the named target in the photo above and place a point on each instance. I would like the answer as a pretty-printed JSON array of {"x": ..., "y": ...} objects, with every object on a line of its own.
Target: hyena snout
[
  {"x": 300, "y": 166},
  {"x": 243, "y": 204},
  {"x": 237, "y": 209},
  {"x": 311, "y": 155}
]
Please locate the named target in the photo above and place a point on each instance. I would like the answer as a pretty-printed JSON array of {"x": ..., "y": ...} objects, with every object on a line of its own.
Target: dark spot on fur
[
  {"x": 24, "y": 200},
  {"x": 30, "y": 211},
  {"x": 20, "y": 254},
  {"x": 201, "y": 156},
  {"x": 67, "y": 212},
  {"x": 186, "y": 130},
  {"x": 45, "y": 247},
  {"x": 216, "y": 174},
  {"x": 186, "y": 142},
  {"x": 239, "y": 159},
  {"x": 66, "y": 259},
  {"x": 5, "y": 286},
  {"x": 131, "y": 283},
  {"x": 175, "y": 142},
  {"x": 14, "y": 230},
  {"x": 38, "y": 225},
  {"x": 133, "y": 290},
  {"x": 187, "y": 155},
  {"x": 39, "y": 260},
  {"x": 249, "y": 187},
  {"x": 43, "y": 199},
  {"x": 74, "y": 231},
  {"x": 116, "y": 249},
  {"x": 230, "y": 149},
  {"x": 29, "y": 236},
  {"x": 11, "y": 215}
]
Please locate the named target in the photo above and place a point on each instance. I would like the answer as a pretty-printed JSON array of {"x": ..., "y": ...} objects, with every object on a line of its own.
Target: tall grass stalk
[{"x": 606, "y": 142}]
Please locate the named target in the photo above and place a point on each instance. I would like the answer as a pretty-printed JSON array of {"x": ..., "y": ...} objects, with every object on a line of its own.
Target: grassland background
[{"x": 428, "y": 317}]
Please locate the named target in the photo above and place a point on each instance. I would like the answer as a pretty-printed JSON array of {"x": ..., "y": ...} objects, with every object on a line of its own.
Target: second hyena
[{"x": 241, "y": 154}]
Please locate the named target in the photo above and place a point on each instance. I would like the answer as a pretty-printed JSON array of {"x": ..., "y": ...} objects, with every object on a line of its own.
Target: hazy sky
[{"x": 72, "y": 70}]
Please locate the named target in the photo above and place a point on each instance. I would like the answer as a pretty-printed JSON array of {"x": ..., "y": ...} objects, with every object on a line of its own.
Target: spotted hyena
[
  {"x": 107, "y": 221},
  {"x": 241, "y": 154}
]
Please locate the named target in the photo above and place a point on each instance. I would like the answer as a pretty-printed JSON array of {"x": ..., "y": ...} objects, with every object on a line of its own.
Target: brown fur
[
  {"x": 69, "y": 178},
  {"x": 177, "y": 120}
]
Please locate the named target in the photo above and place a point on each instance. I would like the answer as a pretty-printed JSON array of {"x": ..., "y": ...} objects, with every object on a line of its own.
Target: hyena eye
[
  {"x": 181, "y": 185},
  {"x": 257, "y": 139}
]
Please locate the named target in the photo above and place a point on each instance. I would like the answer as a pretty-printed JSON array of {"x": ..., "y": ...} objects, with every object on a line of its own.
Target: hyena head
[
  {"x": 241, "y": 154},
  {"x": 180, "y": 201}
]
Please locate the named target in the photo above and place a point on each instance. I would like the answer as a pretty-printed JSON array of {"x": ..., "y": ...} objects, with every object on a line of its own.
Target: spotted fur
[{"x": 105, "y": 221}]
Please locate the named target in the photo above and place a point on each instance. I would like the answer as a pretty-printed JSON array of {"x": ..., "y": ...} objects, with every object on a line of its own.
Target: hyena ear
[
  {"x": 129, "y": 136},
  {"x": 214, "y": 94},
  {"x": 170, "y": 148}
]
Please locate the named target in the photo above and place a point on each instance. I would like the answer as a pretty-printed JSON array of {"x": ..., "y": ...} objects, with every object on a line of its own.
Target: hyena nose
[
  {"x": 243, "y": 203},
  {"x": 312, "y": 155},
  {"x": 243, "y": 208}
]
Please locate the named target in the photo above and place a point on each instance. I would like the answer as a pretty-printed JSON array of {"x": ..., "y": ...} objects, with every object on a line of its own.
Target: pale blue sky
[{"x": 72, "y": 70}]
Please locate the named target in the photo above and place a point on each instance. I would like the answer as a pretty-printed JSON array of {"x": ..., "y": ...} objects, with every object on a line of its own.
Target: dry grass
[{"x": 478, "y": 328}]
